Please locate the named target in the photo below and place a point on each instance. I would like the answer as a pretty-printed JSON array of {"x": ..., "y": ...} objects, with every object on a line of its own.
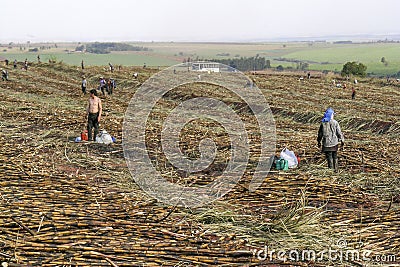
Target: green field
[
  {"x": 337, "y": 55},
  {"x": 319, "y": 55}
]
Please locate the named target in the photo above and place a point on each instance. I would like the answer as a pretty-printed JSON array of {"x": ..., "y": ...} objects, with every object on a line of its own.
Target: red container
[{"x": 84, "y": 135}]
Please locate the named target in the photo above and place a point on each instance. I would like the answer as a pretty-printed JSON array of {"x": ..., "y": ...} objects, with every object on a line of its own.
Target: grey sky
[{"x": 188, "y": 20}]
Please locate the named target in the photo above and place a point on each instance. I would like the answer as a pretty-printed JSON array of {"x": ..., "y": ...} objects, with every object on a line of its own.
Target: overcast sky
[{"x": 190, "y": 20}]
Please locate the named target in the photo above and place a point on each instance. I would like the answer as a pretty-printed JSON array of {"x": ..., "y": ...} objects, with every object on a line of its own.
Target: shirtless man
[{"x": 93, "y": 112}]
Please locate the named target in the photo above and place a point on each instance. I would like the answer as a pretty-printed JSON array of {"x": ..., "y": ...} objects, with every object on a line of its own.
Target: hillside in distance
[{"x": 317, "y": 54}]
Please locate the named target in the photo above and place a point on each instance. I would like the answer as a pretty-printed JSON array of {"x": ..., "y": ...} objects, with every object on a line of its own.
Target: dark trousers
[
  {"x": 103, "y": 89},
  {"x": 109, "y": 89},
  {"x": 93, "y": 122},
  {"x": 331, "y": 157},
  {"x": 84, "y": 89}
]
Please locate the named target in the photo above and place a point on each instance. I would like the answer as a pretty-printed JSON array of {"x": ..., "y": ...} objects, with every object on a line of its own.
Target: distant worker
[
  {"x": 114, "y": 84},
  {"x": 309, "y": 75},
  {"x": 108, "y": 87},
  {"x": 102, "y": 86},
  {"x": 26, "y": 64},
  {"x": 111, "y": 85},
  {"x": 93, "y": 112},
  {"x": 84, "y": 85},
  {"x": 353, "y": 93},
  {"x": 82, "y": 65},
  {"x": 144, "y": 65},
  {"x": 4, "y": 75},
  {"x": 6, "y": 62},
  {"x": 111, "y": 67},
  {"x": 135, "y": 75},
  {"x": 330, "y": 135},
  {"x": 15, "y": 63},
  {"x": 38, "y": 59}
]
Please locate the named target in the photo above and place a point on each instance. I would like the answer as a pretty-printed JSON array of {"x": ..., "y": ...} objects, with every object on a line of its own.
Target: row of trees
[
  {"x": 105, "y": 48},
  {"x": 246, "y": 63}
]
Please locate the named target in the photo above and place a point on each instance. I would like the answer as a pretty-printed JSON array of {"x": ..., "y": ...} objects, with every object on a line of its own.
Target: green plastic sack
[{"x": 282, "y": 164}]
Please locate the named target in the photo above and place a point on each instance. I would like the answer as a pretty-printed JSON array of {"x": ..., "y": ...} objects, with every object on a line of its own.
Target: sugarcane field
[{"x": 65, "y": 201}]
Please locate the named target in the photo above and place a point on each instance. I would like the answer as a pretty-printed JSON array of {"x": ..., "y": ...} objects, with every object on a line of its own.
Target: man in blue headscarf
[{"x": 330, "y": 135}]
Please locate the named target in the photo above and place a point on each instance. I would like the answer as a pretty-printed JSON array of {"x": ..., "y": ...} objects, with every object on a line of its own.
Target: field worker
[
  {"x": 108, "y": 87},
  {"x": 330, "y": 135},
  {"x": 102, "y": 85},
  {"x": 15, "y": 63},
  {"x": 26, "y": 64},
  {"x": 4, "y": 75},
  {"x": 84, "y": 85},
  {"x": 353, "y": 93},
  {"x": 82, "y": 65},
  {"x": 93, "y": 113},
  {"x": 111, "y": 86}
]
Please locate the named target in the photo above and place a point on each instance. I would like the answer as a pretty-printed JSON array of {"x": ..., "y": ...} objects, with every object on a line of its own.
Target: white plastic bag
[
  {"x": 290, "y": 157},
  {"x": 104, "y": 138}
]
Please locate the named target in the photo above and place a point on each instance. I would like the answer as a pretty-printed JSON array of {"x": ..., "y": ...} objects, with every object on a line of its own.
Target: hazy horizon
[
  {"x": 194, "y": 21},
  {"x": 332, "y": 38}
]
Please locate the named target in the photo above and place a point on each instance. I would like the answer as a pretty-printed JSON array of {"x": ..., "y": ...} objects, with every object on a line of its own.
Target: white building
[{"x": 206, "y": 66}]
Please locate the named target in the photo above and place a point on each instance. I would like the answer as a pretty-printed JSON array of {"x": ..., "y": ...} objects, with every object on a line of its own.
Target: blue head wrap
[{"x": 328, "y": 115}]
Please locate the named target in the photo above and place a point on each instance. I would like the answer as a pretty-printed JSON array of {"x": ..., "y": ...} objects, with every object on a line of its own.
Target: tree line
[
  {"x": 105, "y": 48},
  {"x": 246, "y": 63}
]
